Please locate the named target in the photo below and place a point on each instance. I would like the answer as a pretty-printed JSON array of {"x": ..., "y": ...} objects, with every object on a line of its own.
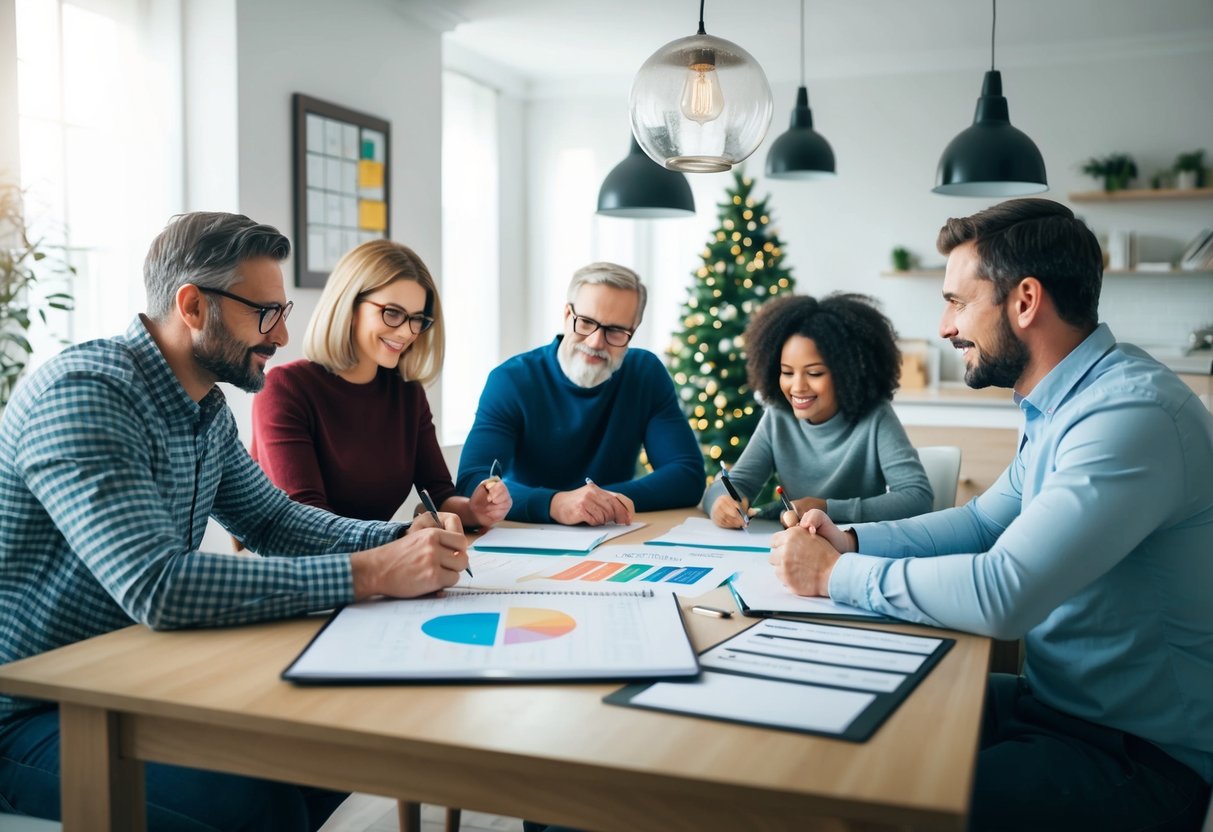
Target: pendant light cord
[
  {"x": 993, "y": 23},
  {"x": 702, "y": 31},
  {"x": 802, "y": 43}
]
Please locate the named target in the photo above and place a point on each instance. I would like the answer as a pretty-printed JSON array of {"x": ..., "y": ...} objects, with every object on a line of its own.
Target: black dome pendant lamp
[
  {"x": 640, "y": 188},
  {"x": 991, "y": 158},
  {"x": 801, "y": 152}
]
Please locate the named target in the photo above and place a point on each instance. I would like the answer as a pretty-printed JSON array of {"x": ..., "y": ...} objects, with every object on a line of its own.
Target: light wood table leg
[{"x": 99, "y": 790}]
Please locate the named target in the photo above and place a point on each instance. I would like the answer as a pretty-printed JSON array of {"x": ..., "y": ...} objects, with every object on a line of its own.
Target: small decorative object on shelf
[
  {"x": 1190, "y": 170},
  {"x": 1116, "y": 170},
  {"x": 903, "y": 261}
]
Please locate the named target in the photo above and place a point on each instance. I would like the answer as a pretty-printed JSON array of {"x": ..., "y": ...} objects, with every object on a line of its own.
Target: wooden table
[{"x": 212, "y": 699}]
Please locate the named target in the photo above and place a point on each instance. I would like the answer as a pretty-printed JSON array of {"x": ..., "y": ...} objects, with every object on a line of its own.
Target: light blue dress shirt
[{"x": 1095, "y": 546}]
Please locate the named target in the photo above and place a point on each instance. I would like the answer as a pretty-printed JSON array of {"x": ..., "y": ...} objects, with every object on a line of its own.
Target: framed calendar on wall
[{"x": 342, "y": 176}]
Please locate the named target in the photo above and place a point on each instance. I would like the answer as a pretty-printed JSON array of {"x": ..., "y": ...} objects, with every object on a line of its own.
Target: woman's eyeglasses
[
  {"x": 269, "y": 314},
  {"x": 616, "y": 336},
  {"x": 394, "y": 317}
]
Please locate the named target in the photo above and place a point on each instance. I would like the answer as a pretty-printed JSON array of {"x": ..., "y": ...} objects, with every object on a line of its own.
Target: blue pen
[
  {"x": 428, "y": 502},
  {"x": 728, "y": 485},
  {"x": 494, "y": 474}
]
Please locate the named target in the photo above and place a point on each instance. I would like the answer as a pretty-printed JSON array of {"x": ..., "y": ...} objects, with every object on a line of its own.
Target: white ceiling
[{"x": 562, "y": 43}]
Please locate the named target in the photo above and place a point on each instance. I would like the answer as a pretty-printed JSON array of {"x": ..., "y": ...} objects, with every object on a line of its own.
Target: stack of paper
[{"x": 549, "y": 538}]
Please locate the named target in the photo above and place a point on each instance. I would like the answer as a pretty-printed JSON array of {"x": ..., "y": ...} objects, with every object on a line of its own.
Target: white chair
[{"x": 942, "y": 463}]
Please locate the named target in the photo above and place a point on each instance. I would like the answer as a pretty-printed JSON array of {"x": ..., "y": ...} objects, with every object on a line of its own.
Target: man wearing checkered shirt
[{"x": 114, "y": 454}]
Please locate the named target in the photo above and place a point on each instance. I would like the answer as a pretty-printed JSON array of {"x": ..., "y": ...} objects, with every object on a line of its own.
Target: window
[
  {"x": 470, "y": 248},
  {"x": 100, "y": 146}
]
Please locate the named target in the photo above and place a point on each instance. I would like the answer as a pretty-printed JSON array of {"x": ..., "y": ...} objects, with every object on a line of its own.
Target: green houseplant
[
  {"x": 1190, "y": 169},
  {"x": 1116, "y": 170},
  {"x": 23, "y": 262},
  {"x": 903, "y": 261}
]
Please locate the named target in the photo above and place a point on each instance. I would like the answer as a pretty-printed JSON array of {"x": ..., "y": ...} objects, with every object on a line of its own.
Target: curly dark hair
[{"x": 856, "y": 341}]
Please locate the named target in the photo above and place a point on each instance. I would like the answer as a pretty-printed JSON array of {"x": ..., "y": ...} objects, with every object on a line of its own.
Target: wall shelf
[
  {"x": 914, "y": 273},
  {"x": 1138, "y": 194}
]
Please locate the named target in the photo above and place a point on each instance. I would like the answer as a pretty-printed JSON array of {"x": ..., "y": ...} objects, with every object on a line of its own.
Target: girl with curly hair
[{"x": 825, "y": 371}]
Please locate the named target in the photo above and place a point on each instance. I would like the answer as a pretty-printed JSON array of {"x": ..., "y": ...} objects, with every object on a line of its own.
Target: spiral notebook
[{"x": 501, "y": 635}]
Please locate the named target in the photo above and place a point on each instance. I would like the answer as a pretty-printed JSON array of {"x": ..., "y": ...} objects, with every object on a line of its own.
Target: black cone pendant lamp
[
  {"x": 802, "y": 152},
  {"x": 640, "y": 188},
  {"x": 991, "y": 158}
]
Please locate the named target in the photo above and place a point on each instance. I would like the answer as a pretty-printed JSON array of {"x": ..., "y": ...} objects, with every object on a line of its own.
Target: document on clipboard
[
  {"x": 501, "y": 635},
  {"x": 815, "y": 678}
]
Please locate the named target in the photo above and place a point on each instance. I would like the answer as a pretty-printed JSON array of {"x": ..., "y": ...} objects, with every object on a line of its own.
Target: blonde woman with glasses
[{"x": 349, "y": 428}]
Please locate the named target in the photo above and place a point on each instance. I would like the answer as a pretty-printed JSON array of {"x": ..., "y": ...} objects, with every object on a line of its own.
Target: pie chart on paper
[{"x": 522, "y": 625}]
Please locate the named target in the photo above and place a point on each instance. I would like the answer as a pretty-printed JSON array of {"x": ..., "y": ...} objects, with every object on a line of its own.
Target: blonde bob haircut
[{"x": 329, "y": 340}]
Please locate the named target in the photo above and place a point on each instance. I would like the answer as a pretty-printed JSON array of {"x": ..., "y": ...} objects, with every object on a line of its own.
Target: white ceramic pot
[{"x": 1185, "y": 179}]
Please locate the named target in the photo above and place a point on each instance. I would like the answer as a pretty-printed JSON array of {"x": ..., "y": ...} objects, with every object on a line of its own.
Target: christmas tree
[{"x": 742, "y": 268}]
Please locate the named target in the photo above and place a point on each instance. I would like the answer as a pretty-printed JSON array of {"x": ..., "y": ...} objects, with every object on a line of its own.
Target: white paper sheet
[
  {"x": 761, "y": 590},
  {"x": 765, "y": 701},
  {"x": 551, "y": 537},
  {"x": 702, "y": 532}
]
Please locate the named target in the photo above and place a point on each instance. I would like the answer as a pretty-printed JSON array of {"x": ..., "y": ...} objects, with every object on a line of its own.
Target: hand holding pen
[
  {"x": 788, "y": 509},
  {"x": 491, "y": 501},
  {"x": 742, "y": 508},
  {"x": 428, "y": 502}
]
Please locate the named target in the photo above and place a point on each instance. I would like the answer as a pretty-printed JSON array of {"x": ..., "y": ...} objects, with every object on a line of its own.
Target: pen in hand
[
  {"x": 728, "y": 484},
  {"x": 787, "y": 504},
  {"x": 428, "y": 502},
  {"x": 494, "y": 475}
]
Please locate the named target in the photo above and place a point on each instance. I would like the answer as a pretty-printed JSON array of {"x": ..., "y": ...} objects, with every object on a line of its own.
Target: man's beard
[
  {"x": 1005, "y": 363},
  {"x": 579, "y": 371},
  {"x": 228, "y": 359}
]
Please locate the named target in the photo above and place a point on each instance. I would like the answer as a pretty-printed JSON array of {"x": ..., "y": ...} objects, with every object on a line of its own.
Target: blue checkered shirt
[{"x": 108, "y": 473}]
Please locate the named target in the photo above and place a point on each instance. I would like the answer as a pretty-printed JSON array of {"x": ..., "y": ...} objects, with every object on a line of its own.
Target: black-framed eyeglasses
[
  {"x": 270, "y": 313},
  {"x": 616, "y": 336},
  {"x": 394, "y": 317}
]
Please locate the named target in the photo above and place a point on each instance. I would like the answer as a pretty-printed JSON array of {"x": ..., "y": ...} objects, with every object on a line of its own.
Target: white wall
[
  {"x": 1151, "y": 99},
  {"x": 10, "y": 161},
  {"x": 362, "y": 54}
]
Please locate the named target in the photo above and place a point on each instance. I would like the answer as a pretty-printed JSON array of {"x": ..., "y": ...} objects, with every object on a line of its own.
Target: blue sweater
[{"x": 549, "y": 435}]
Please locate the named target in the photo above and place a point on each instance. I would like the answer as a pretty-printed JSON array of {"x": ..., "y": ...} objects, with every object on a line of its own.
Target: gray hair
[
  {"x": 613, "y": 275},
  {"x": 204, "y": 248}
]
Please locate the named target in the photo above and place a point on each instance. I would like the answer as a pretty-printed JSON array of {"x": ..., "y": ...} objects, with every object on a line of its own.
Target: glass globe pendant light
[{"x": 700, "y": 104}]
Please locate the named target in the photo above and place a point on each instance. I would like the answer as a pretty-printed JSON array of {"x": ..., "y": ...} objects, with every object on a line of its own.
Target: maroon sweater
[{"x": 354, "y": 449}]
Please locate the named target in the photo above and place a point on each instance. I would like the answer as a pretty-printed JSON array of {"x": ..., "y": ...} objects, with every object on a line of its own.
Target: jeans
[
  {"x": 1041, "y": 769},
  {"x": 178, "y": 799}
]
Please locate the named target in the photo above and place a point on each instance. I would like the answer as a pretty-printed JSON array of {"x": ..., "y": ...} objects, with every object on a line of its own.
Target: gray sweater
[{"x": 865, "y": 471}]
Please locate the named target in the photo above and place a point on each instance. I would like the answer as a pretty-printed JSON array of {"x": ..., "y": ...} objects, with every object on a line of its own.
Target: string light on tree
[{"x": 742, "y": 268}]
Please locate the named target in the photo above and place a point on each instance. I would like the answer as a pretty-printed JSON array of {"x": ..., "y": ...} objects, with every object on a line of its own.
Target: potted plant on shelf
[
  {"x": 1190, "y": 170},
  {"x": 903, "y": 261},
  {"x": 22, "y": 262},
  {"x": 1116, "y": 170}
]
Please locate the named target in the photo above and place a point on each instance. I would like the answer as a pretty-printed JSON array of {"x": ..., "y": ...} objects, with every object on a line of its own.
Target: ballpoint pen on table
[
  {"x": 428, "y": 502},
  {"x": 787, "y": 504},
  {"x": 728, "y": 484}
]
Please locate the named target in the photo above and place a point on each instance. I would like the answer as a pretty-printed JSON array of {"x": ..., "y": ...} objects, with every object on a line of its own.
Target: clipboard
[
  {"x": 809, "y": 677},
  {"x": 467, "y": 635}
]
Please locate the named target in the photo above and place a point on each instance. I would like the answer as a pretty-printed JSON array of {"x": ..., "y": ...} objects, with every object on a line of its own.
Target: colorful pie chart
[{"x": 522, "y": 625}]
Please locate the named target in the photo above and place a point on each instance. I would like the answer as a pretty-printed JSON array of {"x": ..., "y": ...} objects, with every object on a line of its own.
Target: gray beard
[{"x": 578, "y": 371}]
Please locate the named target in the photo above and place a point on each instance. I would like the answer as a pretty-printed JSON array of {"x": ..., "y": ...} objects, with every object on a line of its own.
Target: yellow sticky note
[
  {"x": 372, "y": 215},
  {"x": 370, "y": 174}
]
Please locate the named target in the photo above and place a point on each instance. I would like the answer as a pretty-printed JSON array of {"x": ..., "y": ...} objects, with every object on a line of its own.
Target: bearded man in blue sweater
[{"x": 567, "y": 421}]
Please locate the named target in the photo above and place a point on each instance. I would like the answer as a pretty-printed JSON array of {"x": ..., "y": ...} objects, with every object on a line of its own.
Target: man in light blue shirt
[{"x": 1095, "y": 546}]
